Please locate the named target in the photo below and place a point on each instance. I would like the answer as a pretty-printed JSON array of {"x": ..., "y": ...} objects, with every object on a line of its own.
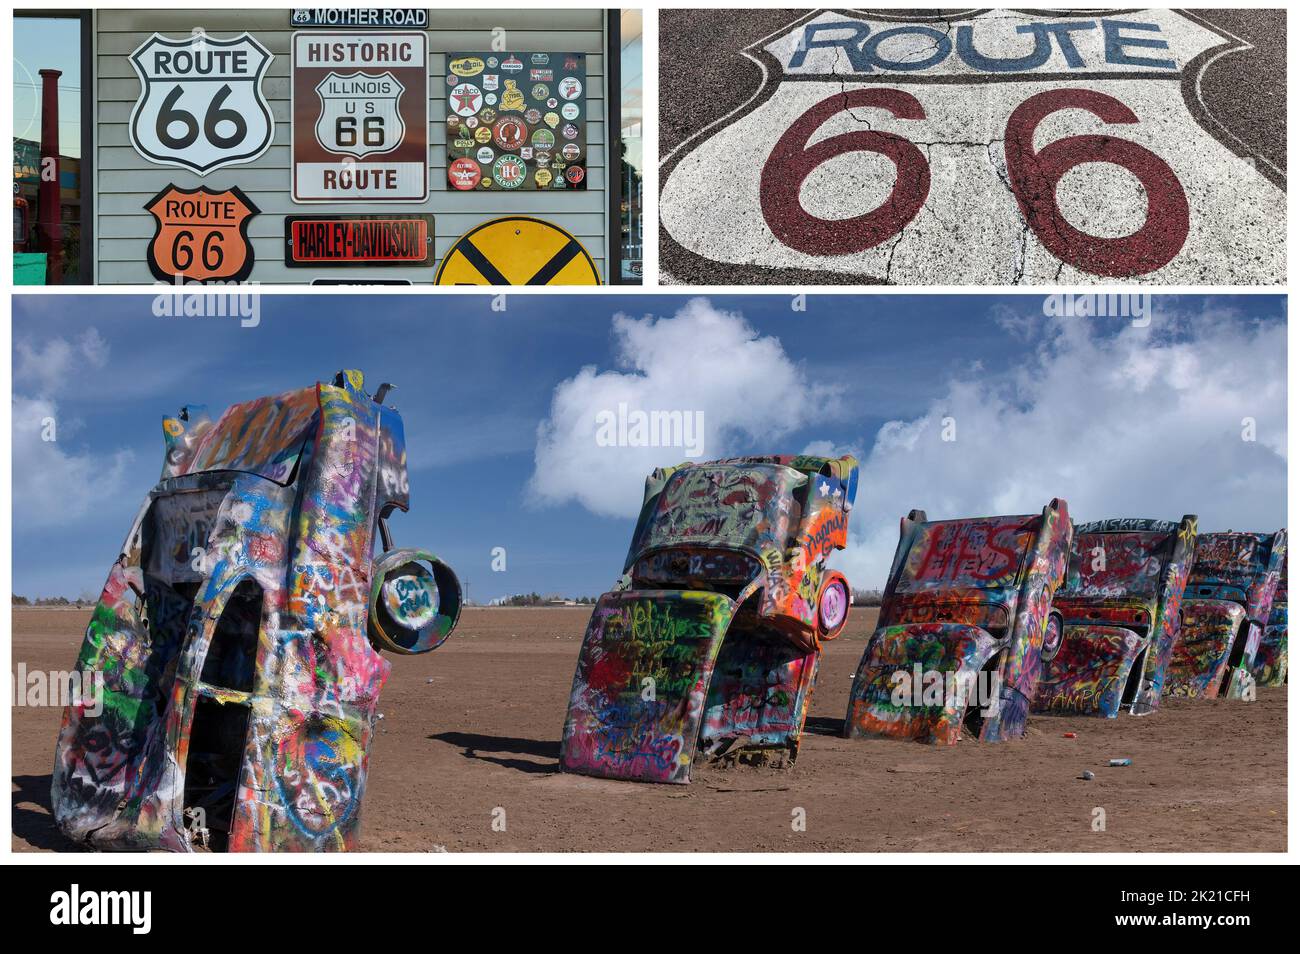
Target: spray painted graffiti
[
  {"x": 1228, "y": 602},
  {"x": 239, "y": 631},
  {"x": 1270, "y": 661},
  {"x": 965, "y": 600},
  {"x": 1119, "y": 608},
  {"x": 710, "y": 640}
]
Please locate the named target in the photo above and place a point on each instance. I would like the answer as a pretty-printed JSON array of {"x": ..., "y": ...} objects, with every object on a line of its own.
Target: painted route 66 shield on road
[
  {"x": 358, "y": 113},
  {"x": 987, "y": 148},
  {"x": 201, "y": 104}
]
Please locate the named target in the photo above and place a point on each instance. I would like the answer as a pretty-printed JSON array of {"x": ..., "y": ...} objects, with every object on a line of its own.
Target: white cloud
[
  {"x": 47, "y": 370},
  {"x": 702, "y": 360},
  {"x": 1146, "y": 423},
  {"x": 53, "y": 484}
]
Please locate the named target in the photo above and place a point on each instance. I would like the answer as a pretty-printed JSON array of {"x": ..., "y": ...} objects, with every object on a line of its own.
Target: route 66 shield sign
[
  {"x": 201, "y": 104},
  {"x": 978, "y": 148},
  {"x": 202, "y": 235},
  {"x": 360, "y": 105},
  {"x": 359, "y": 114}
]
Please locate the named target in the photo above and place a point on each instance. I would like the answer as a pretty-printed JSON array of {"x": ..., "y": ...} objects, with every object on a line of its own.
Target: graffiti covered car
[
  {"x": 963, "y": 621},
  {"x": 1225, "y": 610},
  {"x": 1270, "y": 661},
  {"x": 710, "y": 641},
  {"x": 1120, "y": 606},
  {"x": 239, "y": 629}
]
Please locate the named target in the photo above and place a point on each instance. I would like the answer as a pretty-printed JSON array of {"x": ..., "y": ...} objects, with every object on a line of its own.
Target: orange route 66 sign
[{"x": 202, "y": 235}]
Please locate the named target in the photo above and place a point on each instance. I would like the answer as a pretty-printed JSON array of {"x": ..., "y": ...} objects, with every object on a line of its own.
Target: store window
[
  {"x": 630, "y": 78},
  {"x": 48, "y": 147}
]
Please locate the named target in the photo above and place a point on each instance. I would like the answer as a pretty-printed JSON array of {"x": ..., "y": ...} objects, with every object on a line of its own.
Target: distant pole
[{"x": 48, "y": 208}]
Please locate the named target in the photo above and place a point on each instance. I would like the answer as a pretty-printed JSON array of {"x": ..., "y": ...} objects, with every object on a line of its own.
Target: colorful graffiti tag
[
  {"x": 1228, "y": 602},
  {"x": 710, "y": 640},
  {"x": 1270, "y": 661},
  {"x": 235, "y": 632},
  {"x": 961, "y": 628},
  {"x": 1119, "y": 606}
]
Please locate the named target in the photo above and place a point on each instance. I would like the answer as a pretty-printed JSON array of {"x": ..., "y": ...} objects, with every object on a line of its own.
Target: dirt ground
[{"x": 475, "y": 727}]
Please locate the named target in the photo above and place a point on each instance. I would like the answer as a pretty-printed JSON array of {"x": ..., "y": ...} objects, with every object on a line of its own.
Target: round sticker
[
  {"x": 465, "y": 99},
  {"x": 533, "y": 116},
  {"x": 552, "y": 120},
  {"x": 486, "y": 183},
  {"x": 543, "y": 139},
  {"x": 570, "y": 87},
  {"x": 488, "y": 115},
  {"x": 466, "y": 66},
  {"x": 490, "y": 99},
  {"x": 513, "y": 64},
  {"x": 541, "y": 91},
  {"x": 471, "y": 123},
  {"x": 510, "y": 172},
  {"x": 552, "y": 103},
  {"x": 569, "y": 111},
  {"x": 570, "y": 131},
  {"x": 492, "y": 62},
  {"x": 570, "y": 151},
  {"x": 486, "y": 155},
  {"x": 575, "y": 174},
  {"x": 509, "y": 134},
  {"x": 483, "y": 134},
  {"x": 543, "y": 178},
  {"x": 543, "y": 159},
  {"x": 463, "y": 174}
]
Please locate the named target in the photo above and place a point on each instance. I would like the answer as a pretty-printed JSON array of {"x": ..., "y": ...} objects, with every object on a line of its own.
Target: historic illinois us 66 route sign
[
  {"x": 360, "y": 117},
  {"x": 201, "y": 105},
  {"x": 984, "y": 148}
]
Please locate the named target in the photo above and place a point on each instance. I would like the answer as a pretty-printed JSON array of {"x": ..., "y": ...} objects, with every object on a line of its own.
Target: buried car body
[
  {"x": 1120, "y": 607},
  {"x": 1226, "y": 608},
  {"x": 711, "y": 638},
  {"x": 1270, "y": 661},
  {"x": 966, "y": 600},
  {"x": 238, "y": 632}
]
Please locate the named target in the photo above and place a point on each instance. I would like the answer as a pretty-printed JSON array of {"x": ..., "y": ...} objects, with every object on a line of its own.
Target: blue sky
[
  {"x": 47, "y": 43},
  {"x": 866, "y": 373}
]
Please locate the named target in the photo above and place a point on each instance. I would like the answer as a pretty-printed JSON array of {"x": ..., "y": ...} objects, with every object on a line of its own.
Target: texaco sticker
[
  {"x": 466, "y": 99},
  {"x": 201, "y": 104},
  {"x": 980, "y": 148}
]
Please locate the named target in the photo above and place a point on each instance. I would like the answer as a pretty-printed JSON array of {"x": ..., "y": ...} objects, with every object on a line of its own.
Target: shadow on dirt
[
  {"x": 34, "y": 827},
  {"x": 821, "y": 725},
  {"x": 475, "y": 746}
]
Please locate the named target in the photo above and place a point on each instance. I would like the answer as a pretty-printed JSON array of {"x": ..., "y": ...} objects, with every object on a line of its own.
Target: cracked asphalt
[{"x": 702, "y": 81}]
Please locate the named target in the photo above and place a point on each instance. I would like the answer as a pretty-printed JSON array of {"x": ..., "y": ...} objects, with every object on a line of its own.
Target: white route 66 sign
[
  {"x": 201, "y": 104},
  {"x": 359, "y": 115}
]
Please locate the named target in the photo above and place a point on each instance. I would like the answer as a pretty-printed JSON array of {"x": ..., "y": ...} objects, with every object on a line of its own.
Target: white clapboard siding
[{"x": 125, "y": 181}]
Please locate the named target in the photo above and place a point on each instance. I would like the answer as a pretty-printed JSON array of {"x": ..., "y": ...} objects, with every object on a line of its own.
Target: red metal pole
[{"x": 49, "y": 208}]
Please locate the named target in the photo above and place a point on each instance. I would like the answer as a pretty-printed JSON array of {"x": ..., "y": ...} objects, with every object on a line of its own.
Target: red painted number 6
[
  {"x": 1035, "y": 176},
  {"x": 793, "y": 160}
]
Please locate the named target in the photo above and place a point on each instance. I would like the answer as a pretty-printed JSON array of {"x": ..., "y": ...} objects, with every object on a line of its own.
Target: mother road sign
[
  {"x": 982, "y": 148},
  {"x": 360, "y": 117},
  {"x": 201, "y": 105}
]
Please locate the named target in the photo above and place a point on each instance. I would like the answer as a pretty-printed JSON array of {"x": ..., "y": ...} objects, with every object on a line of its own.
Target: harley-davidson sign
[
  {"x": 201, "y": 105},
  {"x": 346, "y": 240},
  {"x": 360, "y": 117},
  {"x": 202, "y": 235}
]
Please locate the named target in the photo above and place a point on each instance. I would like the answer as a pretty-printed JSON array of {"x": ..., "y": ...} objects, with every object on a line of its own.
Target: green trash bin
[{"x": 29, "y": 268}]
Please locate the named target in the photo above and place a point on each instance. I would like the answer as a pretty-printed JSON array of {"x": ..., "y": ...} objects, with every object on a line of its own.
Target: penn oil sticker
[{"x": 980, "y": 148}]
